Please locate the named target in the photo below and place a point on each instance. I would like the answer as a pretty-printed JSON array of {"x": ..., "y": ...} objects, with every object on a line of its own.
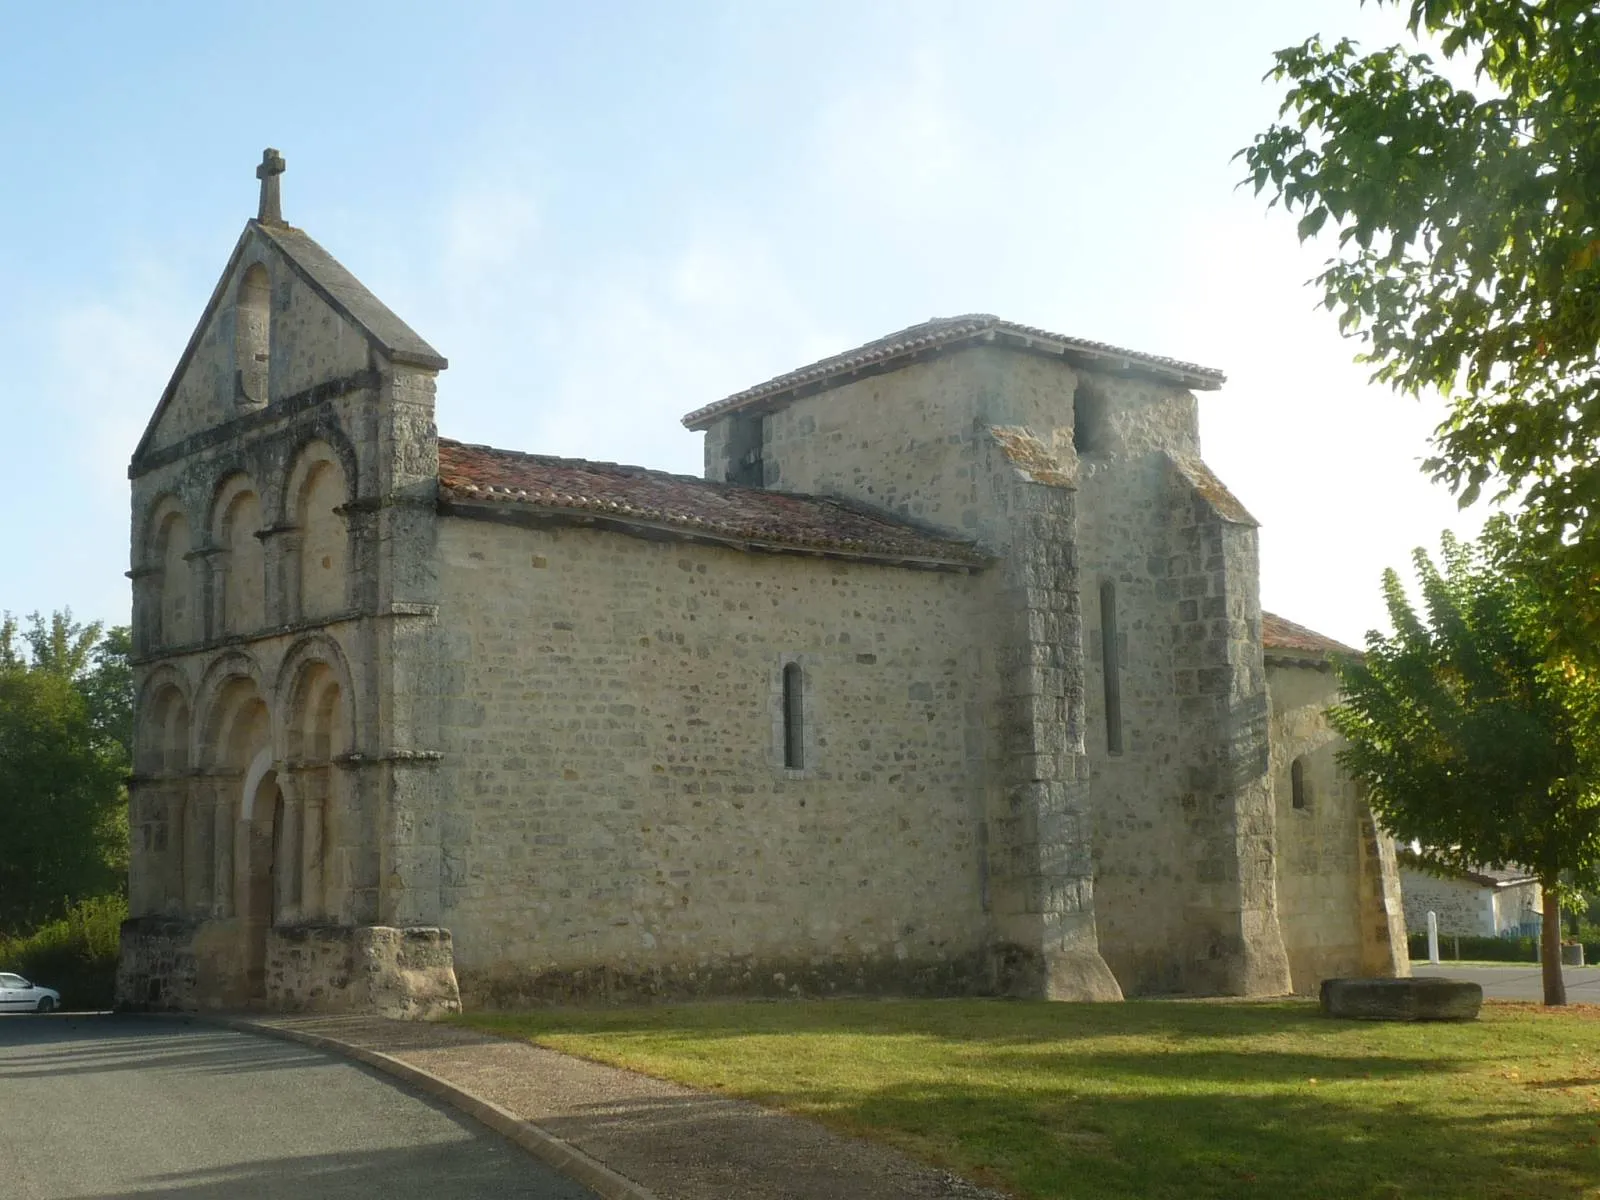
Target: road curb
[{"x": 543, "y": 1145}]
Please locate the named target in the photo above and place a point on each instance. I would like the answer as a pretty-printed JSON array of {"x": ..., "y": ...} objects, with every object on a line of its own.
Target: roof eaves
[
  {"x": 346, "y": 294},
  {"x": 942, "y": 334},
  {"x": 685, "y": 524}
]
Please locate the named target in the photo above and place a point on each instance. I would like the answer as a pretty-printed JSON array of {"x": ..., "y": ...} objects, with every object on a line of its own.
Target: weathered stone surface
[
  {"x": 1328, "y": 847},
  {"x": 402, "y": 973},
  {"x": 1428, "y": 999},
  {"x": 558, "y": 729},
  {"x": 156, "y": 967}
]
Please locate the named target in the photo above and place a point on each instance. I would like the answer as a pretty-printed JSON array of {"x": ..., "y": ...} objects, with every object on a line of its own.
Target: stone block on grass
[{"x": 1422, "y": 999}]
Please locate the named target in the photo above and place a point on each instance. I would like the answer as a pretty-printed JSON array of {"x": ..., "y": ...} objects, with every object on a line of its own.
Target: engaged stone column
[
  {"x": 198, "y": 868},
  {"x": 144, "y": 801},
  {"x": 287, "y": 868},
  {"x": 280, "y": 558},
  {"x": 222, "y": 858},
  {"x": 171, "y": 843},
  {"x": 210, "y": 601},
  {"x": 215, "y": 800},
  {"x": 146, "y": 607},
  {"x": 311, "y": 902}
]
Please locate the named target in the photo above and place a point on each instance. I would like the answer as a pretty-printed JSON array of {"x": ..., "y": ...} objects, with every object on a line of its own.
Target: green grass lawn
[{"x": 1147, "y": 1098}]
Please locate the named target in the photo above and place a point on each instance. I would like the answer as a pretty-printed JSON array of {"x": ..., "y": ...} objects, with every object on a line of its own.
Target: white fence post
[{"x": 1433, "y": 938}]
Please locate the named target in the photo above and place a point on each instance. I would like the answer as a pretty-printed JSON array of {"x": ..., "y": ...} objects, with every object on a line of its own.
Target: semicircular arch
[
  {"x": 324, "y": 444},
  {"x": 315, "y": 696},
  {"x": 232, "y": 525},
  {"x": 156, "y": 515},
  {"x": 162, "y": 724},
  {"x": 228, "y": 489},
  {"x": 317, "y": 497},
  {"x": 231, "y": 683}
]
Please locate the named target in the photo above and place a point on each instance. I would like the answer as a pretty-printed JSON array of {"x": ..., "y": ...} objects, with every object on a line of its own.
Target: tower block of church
[
  {"x": 948, "y": 677},
  {"x": 284, "y": 802}
]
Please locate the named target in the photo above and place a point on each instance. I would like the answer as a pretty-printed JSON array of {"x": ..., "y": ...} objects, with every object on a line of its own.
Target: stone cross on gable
[{"x": 271, "y": 202}]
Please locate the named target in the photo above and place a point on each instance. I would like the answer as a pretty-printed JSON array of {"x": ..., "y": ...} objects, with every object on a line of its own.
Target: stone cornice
[
  {"x": 393, "y": 758},
  {"x": 396, "y": 609},
  {"x": 251, "y": 422}
]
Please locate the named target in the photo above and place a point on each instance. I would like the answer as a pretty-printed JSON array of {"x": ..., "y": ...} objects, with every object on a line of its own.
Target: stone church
[{"x": 949, "y": 676}]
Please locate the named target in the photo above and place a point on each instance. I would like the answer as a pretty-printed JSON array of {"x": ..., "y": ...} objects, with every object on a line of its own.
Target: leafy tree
[
  {"x": 65, "y": 726},
  {"x": 1469, "y": 244},
  {"x": 1472, "y": 738},
  {"x": 99, "y": 661},
  {"x": 107, "y": 687}
]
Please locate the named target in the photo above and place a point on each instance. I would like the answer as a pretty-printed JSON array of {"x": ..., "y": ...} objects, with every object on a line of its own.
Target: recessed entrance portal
[{"x": 260, "y": 855}]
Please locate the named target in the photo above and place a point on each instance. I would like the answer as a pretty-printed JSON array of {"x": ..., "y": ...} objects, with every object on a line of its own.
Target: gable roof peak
[
  {"x": 946, "y": 333},
  {"x": 334, "y": 285}
]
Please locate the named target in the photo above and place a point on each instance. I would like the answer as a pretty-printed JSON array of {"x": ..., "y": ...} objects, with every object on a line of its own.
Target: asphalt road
[
  {"x": 104, "y": 1107},
  {"x": 1521, "y": 981}
]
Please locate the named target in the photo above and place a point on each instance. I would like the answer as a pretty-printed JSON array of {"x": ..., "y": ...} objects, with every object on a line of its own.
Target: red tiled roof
[
  {"x": 947, "y": 331},
  {"x": 723, "y": 511},
  {"x": 1281, "y": 635}
]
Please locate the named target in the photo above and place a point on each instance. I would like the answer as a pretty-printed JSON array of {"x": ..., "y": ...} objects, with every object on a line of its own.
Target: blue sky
[{"x": 606, "y": 215}]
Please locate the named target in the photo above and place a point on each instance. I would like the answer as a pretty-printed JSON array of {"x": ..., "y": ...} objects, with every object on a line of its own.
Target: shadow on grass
[
  {"x": 1154, "y": 1099},
  {"x": 1171, "y": 1146},
  {"x": 1175, "y": 1145}
]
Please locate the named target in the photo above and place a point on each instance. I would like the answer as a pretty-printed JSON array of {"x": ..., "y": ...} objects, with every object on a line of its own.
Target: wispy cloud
[{"x": 106, "y": 360}]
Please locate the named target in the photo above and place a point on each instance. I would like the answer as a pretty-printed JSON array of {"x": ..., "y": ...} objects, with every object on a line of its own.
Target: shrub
[{"x": 76, "y": 955}]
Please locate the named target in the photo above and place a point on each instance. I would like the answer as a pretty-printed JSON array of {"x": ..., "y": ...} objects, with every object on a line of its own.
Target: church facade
[{"x": 949, "y": 676}]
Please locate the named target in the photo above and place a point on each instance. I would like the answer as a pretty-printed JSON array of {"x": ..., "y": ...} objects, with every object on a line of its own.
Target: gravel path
[{"x": 678, "y": 1143}]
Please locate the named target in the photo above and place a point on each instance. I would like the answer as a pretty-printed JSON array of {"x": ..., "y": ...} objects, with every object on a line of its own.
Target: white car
[{"x": 18, "y": 995}]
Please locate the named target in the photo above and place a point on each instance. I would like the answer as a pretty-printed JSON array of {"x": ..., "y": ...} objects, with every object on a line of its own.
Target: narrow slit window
[
  {"x": 1088, "y": 420},
  {"x": 794, "y": 731},
  {"x": 1110, "y": 667},
  {"x": 252, "y": 337},
  {"x": 1297, "y": 783}
]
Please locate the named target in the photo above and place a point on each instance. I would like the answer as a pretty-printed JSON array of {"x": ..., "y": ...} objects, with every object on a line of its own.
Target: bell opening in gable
[{"x": 747, "y": 435}]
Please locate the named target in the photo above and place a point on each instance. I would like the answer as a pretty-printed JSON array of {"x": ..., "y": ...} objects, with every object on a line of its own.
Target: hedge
[
  {"x": 1487, "y": 949},
  {"x": 77, "y": 955}
]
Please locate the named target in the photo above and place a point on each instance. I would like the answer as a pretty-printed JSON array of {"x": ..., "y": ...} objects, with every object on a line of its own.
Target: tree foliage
[
  {"x": 1468, "y": 225},
  {"x": 65, "y": 727},
  {"x": 1473, "y": 735}
]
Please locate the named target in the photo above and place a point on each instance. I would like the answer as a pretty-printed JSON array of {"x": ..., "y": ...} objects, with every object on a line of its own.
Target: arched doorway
[
  {"x": 264, "y": 857},
  {"x": 233, "y": 834},
  {"x": 317, "y": 725}
]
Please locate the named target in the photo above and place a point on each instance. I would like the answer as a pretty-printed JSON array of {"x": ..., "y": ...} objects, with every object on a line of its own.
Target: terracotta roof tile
[
  {"x": 485, "y": 475},
  {"x": 1281, "y": 635},
  {"x": 947, "y": 331}
]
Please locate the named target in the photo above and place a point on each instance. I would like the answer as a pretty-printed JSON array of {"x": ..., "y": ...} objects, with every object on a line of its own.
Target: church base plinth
[
  {"x": 376, "y": 969},
  {"x": 1075, "y": 974},
  {"x": 156, "y": 966},
  {"x": 175, "y": 965}
]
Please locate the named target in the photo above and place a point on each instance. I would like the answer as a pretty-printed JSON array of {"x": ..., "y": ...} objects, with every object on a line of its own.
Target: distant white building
[{"x": 1478, "y": 903}]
